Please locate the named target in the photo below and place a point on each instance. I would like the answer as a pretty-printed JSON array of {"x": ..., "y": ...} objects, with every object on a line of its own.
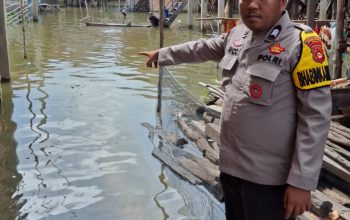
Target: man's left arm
[
  {"x": 314, "y": 106},
  {"x": 314, "y": 110}
]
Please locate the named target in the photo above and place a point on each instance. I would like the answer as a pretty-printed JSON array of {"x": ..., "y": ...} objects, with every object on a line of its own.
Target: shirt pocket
[
  {"x": 261, "y": 83},
  {"x": 227, "y": 62}
]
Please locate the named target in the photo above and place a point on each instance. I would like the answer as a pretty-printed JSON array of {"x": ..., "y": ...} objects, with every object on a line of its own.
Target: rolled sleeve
[{"x": 314, "y": 111}]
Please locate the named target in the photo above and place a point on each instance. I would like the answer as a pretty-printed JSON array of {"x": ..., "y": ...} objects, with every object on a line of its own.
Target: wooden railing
[{"x": 14, "y": 13}]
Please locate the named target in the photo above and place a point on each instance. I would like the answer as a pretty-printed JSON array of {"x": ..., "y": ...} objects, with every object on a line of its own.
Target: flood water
[{"x": 71, "y": 141}]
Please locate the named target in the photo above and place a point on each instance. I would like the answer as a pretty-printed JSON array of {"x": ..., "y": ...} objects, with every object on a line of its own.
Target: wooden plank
[
  {"x": 319, "y": 198},
  {"x": 207, "y": 117},
  {"x": 199, "y": 126},
  {"x": 337, "y": 158},
  {"x": 200, "y": 141},
  {"x": 214, "y": 110},
  {"x": 100, "y": 24},
  {"x": 213, "y": 132},
  {"x": 336, "y": 169},
  {"x": 207, "y": 174},
  {"x": 171, "y": 163}
]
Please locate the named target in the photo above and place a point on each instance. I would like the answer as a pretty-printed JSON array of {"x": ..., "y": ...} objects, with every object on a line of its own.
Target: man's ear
[{"x": 284, "y": 3}]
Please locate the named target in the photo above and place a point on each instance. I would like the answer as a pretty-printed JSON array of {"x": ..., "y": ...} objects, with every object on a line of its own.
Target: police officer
[{"x": 276, "y": 110}]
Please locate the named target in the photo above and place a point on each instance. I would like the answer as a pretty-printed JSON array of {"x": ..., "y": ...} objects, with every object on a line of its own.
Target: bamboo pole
[
  {"x": 4, "y": 58},
  {"x": 24, "y": 32},
  {"x": 339, "y": 39},
  {"x": 161, "y": 23},
  {"x": 161, "y": 42}
]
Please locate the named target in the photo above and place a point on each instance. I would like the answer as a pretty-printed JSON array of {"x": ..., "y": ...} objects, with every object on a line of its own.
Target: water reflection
[
  {"x": 9, "y": 176},
  {"x": 71, "y": 142}
]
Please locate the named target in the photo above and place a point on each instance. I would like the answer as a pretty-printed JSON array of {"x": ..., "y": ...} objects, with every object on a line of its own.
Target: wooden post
[
  {"x": 23, "y": 31},
  {"x": 221, "y": 8},
  {"x": 119, "y": 9},
  {"x": 204, "y": 11},
  {"x": 190, "y": 14},
  {"x": 161, "y": 23},
  {"x": 323, "y": 10},
  {"x": 4, "y": 58},
  {"x": 161, "y": 42},
  {"x": 35, "y": 10},
  {"x": 334, "y": 10},
  {"x": 230, "y": 9},
  {"x": 295, "y": 9},
  {"x": 87, "y": 9},
  {"x": 311, "y": 5},
  {"x": 339, "y": 40}
]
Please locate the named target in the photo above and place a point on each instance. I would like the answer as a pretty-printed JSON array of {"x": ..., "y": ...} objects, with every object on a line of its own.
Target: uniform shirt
[{"x": 276, "y": 110}]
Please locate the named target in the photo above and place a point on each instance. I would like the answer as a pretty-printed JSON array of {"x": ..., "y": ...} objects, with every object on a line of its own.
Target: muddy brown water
[{"x": 71, "y": 141}]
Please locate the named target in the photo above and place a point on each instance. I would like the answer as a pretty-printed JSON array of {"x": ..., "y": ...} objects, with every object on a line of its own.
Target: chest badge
[
  {"x": 238, "y": 42},
  {"x": 275, "y": 32},
  {"x": 255, "y": 91},
  {"x": 277, "y": 49}
]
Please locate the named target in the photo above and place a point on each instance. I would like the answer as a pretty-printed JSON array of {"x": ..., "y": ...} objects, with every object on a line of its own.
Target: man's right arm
[
  {"x": 190, "y": 52},
  {"x": 193, "y": 52}
]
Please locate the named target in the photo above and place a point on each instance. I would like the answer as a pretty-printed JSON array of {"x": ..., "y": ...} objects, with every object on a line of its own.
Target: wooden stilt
[
  {"x": 339, "y": 40},
  {"x": 161, "y": 42},
  {"x": 4, "y": 58},
  {"x": 190, "y": 14},
  {"x": 311, "y": 5},
  {"x": 35, "y": 10},
  {"x": 323, "y": 10}
]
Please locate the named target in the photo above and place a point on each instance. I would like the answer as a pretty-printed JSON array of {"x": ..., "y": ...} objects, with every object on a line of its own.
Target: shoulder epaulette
[{"x": 303, "y": 27}]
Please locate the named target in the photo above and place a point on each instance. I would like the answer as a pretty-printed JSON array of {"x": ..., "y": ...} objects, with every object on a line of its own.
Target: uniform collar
[{"x": 274, "y": 33}]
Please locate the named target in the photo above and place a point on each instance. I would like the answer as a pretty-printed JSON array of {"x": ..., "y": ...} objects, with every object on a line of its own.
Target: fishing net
[
  {"x": 171, "y": 146},
  {"x": 175, "y": 102}
]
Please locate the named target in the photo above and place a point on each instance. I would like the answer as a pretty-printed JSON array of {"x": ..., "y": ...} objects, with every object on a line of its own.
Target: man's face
[{"x": 260, "y": 15}]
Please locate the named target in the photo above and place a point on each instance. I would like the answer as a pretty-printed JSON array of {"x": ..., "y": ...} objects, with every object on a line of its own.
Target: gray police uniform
[{"x": 277, "y": 105}]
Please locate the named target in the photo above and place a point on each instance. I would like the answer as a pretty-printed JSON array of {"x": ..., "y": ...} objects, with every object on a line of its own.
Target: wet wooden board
[
  {"x": 100, "y": 24},
  {"x": 172, "y": 164},
  {"x": 336, "y": 169},
  {"x": 318, "y": 198}
]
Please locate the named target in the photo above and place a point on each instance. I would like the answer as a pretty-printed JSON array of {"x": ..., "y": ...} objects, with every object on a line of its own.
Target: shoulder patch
[{"x": 312, "y": 69}]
